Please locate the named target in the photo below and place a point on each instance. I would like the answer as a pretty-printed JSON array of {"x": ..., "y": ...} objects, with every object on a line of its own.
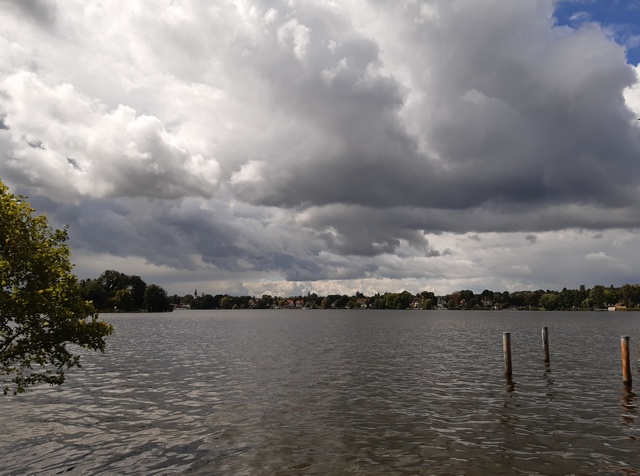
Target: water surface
[{"x": 334, "y": 392}]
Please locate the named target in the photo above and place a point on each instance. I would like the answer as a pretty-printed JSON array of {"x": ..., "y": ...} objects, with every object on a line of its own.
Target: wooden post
[
  {"x": 506, "y": 347},
  {"x": 626, "y": 360},
  {"x": 545, "y": 344}
]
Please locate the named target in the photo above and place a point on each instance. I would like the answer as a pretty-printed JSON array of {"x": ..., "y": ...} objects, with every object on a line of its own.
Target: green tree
[
  {"x": 42, "y": 308},
  {"x": 597, "y": 296},
  {"x": 112, "y": 280},
  {"x": 226, "y": 302},
  {"x": 612, "y": 296},
  {"x": 123, "y": 301},
  {"x": 137, "y": 286},
  {"x": 93, "y": 291},
  {"x": 342, "y": 301},
  {"x": 630, "y": 294},
  {"x": 469, "y": 298},
  {"x": 210, "y": 302},
  {"x": 156, "y": 299},
  {"x": 550, "y": 301}
]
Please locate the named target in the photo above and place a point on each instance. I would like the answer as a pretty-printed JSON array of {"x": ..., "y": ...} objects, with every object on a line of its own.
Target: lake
[{"x": 334, "y": 392}]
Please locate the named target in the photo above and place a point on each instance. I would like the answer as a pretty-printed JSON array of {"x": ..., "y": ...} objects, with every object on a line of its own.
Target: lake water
[{"x": 335, "y": 392}]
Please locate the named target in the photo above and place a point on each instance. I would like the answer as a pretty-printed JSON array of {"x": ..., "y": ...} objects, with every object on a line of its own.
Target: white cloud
[
  {"x": 326, "y": 146},
  {"x": 632, "y": 94},
  {"x": 251, "y": 172},
  {"x": 270, "y": 16},
  {"x": 88, "y": 151},
  {"x": 296, "y": 35}
]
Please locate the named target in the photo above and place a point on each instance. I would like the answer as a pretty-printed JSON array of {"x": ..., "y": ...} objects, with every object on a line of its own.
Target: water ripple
[{"x": 335, "y": 392}]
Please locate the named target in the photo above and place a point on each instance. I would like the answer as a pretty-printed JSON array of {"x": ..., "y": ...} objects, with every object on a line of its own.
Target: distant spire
[{"x": 196, "y": 293}]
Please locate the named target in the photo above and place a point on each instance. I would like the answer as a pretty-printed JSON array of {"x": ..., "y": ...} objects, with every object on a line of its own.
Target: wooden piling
[
  {"x": 506, "y": 347},
  {"x": 545, "y": 344},
  {"x": 626, "y": 360}
]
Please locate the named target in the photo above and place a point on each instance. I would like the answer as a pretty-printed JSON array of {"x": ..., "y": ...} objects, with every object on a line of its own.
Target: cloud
[
  {"x": 39, "y": 11},
  {"x": 295, "y": 35},
  {"x": 69, "y": 145},
  {"x": 431, "y": 142}
]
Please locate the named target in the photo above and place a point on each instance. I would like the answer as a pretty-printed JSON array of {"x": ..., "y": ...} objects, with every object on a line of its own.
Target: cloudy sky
[{"x": 288, "y": 146}]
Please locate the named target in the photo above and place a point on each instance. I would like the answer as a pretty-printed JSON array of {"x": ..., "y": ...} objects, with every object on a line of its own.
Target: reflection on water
[
  {"x": 629, "y": 408},
  {"x": 335, "y": 392}
]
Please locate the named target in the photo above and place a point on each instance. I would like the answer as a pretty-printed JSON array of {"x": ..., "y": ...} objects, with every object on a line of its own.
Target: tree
[
  {"x": 113, "y": 281},
  {"x": 123, "y": 301},
  {"x": 42, "y": 308},
  {"x": 137, "y": 286},
  {"x": 550, "y": 301},
  {"x": 156, "y": 299},
  {"x": 630, "y": 294},
  {"x": 93, "y": 291},
  {"x": 209, "y": 302},
  {"x": 597, "y": 297}
]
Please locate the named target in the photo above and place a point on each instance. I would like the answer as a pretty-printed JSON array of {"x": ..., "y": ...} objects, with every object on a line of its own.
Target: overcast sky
[{"x": 286, "y": 147}]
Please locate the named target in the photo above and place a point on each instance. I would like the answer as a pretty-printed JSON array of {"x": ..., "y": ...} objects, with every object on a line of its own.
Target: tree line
[
  {"x": 598, "y": 297},
  {"x": 115, "y": 291}
]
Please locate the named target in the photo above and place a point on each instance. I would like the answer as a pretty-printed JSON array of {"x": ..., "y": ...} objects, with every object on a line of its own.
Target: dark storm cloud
[
  {"x": 35, "y": 144},
  {"x": 173, "y": 233},
  {"x": 517, "y": 115},
  {"x": 73, "y": 163},
  {"x": 40, "y": 11},
  {"x": 306, "y": 141},
  {"x": 151, "y": 230},
  {"x": 352, "y": 230}
]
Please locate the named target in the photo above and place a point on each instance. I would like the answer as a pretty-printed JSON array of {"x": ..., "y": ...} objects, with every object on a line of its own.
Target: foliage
[
  {"x": 114, "y": 290},
  {"x": 206, "y": 301},
  {"x": 568, "y": 299},
  {"x": 123, "y": 301},
  {"x": 156, "y": 299},
  {"x": 42, "y": 309},
  {"x": 550, "y": 301},
  {"x": 93, "y": 291},
  {"x": 597, "y": 296}
]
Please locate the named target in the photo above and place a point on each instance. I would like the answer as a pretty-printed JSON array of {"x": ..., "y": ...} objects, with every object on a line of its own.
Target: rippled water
[{"x": 334, "y": 392}]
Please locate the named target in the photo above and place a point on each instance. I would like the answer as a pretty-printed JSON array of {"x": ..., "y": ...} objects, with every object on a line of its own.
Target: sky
[{"x": 288, "y": 146}]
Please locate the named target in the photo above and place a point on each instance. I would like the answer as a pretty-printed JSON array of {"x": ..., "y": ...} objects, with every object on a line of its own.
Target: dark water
[{"x": 335, "y": 392}]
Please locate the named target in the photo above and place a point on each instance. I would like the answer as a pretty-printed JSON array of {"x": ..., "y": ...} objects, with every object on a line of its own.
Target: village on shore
[{"x": 117, "y": 292}]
